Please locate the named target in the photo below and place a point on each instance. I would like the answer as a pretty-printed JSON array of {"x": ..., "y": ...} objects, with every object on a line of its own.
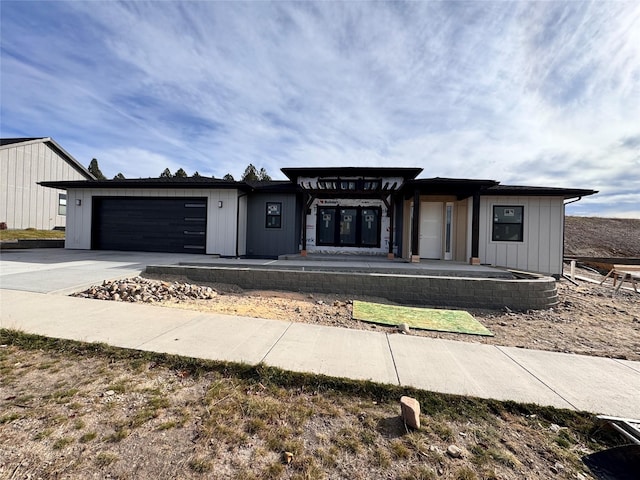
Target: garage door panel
[{"x": 149, "y": 224}]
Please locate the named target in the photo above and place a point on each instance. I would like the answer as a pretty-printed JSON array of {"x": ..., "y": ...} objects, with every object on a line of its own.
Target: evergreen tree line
[{"x": 251, "y": 174}]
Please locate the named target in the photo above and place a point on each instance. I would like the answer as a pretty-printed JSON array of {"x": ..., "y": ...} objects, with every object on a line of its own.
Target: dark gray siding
[{"x": 271, "y": 242}]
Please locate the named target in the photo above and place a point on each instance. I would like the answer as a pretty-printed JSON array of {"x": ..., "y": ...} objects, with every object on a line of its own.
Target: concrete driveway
[{"x": 57, "y": 270}]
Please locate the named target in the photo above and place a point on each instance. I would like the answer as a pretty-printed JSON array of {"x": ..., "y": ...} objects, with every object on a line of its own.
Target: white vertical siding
[
  {"x": 221, "y": 221},
  {"x": 541, "y": 248},
  {"x": 24, "y": 203}
]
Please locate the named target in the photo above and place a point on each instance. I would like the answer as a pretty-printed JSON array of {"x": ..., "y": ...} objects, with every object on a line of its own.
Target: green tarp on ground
[{"x": 457, "y": 321}]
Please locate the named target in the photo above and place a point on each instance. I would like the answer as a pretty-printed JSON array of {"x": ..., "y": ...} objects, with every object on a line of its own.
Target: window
[
  {"x": 507, "y": 223},
  {"x": 348, "y": 226},
  {"x": 62, "y": 204},
  {"x": 274, "y": 214}
]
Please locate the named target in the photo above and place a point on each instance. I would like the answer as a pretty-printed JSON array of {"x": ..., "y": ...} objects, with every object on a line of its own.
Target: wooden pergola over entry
[{"x": 350, "y": 183}]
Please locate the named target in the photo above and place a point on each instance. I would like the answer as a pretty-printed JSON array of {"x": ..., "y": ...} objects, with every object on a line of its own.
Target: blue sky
[{"x": 543, "y": 93}]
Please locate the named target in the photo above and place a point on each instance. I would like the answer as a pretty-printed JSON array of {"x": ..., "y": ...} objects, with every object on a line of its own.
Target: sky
[{"x": 525, "y": 93}]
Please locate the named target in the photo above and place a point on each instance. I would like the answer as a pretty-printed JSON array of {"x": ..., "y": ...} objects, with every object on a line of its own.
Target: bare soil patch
[
  {"x": 590, "y": 319},
  {"x": 602, "y": 237}
]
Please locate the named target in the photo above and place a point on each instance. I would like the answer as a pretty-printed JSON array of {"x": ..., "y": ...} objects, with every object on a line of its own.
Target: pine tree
[
  {"x": 229, "y": 178},
  {"x": 94, "y": 169},
  {"x": 250, "y": 174},
  {"x": 263, "y": 176},
  {"x": 196, "y": 174},
  {"x": 119, "y": 176},
  {"x": 166, "y": 173},
  {"x": 180, "y": 173}
]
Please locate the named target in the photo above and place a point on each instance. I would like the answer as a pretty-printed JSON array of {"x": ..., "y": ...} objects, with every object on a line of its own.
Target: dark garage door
[{"x": 149, "y": 224}]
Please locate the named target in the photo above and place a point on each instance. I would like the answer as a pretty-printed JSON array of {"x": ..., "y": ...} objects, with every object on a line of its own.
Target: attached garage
[
  {"x": 177, "y": 215},
  {"x": 146, "y": 224}
]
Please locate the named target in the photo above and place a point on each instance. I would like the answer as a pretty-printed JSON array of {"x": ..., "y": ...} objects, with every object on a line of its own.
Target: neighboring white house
[{"x": 23, "y": 163}]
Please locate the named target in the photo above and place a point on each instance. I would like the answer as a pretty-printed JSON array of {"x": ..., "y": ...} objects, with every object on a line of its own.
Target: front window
[
  {"x": 274, "y": 214},
  {"x": 507, "y": 223},
  {"x": 62, "y": 204}
]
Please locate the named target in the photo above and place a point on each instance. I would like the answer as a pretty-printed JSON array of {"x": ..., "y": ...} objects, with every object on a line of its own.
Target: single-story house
[
  {"x": 24, "y": 162},
  {"x": 350, "y": 210}
]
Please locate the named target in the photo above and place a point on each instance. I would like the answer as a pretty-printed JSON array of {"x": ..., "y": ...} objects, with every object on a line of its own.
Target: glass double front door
[{"x": 348, "y": 226}]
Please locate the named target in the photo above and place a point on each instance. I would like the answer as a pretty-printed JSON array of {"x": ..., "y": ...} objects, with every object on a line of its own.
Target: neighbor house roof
[
  {"x": 15, "y": 142},
  {"x": 11, "y": 141}
]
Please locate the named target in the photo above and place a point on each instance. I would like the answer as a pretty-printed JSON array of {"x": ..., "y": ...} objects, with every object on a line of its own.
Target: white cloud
[{"x": 529, "y": 93}]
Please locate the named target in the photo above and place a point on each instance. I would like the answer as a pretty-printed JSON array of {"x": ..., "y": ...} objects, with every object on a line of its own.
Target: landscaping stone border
[
  {"x": 534, "y": 293},
  {"x": 32, "y": 243}
]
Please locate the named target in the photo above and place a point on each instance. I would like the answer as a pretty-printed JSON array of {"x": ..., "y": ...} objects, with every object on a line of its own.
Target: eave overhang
[
  {"x": 150, "y": 183},
  {"x": 461, "y": 188},
  {"x": 515, "y": 190}
]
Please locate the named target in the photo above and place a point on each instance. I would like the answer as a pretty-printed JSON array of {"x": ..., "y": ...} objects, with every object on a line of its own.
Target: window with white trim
[
  {"x": 508, "y": 223},
  {"x": 62, "y": 204}
]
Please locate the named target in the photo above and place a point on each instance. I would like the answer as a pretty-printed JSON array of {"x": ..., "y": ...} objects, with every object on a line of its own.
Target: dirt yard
[
  {"x": 590, "y": 319},
  {"x": 70, "y": 411}
]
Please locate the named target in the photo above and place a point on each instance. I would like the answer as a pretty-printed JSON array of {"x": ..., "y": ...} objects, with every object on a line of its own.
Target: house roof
[
  {"x": 6, "y": 143},
  {"x": 538, "y": 191},
  {"x": 11, "y": 141},
  {"x": 273, "y": 186},
  {"x": 406, "y": 173},
  {"x": 169, "y": 183},
  {"x": 461, "y": 187}
]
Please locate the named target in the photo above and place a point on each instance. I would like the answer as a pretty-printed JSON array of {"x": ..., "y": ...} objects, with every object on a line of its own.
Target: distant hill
[{"x": 602, "y": 237}]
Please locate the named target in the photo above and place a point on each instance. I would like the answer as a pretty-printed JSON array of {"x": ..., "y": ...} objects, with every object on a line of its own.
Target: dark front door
[{"x": 149, "y": 224}]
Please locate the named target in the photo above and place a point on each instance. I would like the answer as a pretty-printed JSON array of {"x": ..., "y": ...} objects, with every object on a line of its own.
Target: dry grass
[
  {"x": 83, "y": 410},
  {"x": 30, "y": 233}
]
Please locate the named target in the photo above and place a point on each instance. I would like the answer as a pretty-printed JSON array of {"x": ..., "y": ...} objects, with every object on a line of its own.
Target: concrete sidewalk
[{"x": 599, "y": 385}]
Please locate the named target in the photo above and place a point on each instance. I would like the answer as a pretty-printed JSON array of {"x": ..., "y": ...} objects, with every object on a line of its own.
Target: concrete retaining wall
[
  {"x": 32, "y": 243},
  {"x": 493, "y": 293}
]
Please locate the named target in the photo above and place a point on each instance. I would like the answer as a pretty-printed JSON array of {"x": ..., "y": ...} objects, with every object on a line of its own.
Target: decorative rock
[
  {"x": 287, "y": 457},
  {"x": 454, "y": 452},
  {"x": 410, "y": 408},
  {"x": 403, "y": 327},
  {"x": 554, "y": 428},
  {"x": 144, "y": 290}
]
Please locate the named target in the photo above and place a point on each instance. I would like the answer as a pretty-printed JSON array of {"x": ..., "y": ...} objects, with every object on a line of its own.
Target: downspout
[
  {"x": 238, "y": 224},
  {"x": 564, "y": 211}
]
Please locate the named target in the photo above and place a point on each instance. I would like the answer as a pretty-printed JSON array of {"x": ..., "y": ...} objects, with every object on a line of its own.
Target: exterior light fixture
[
  {"x": 219, "y": 203},
  {"x": 78, "y": 202}
]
